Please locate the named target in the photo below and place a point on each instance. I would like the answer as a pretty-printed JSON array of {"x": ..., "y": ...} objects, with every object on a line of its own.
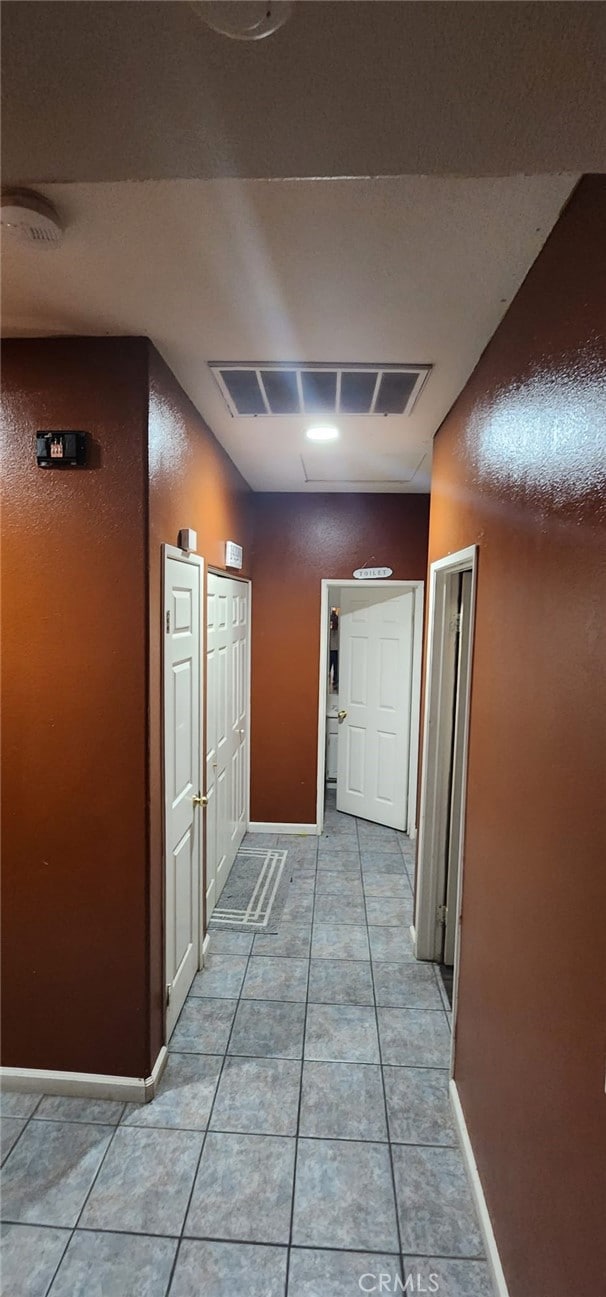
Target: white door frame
[
  {"x": 415, "y": 705},
  {"x": 182, "y": 556},
  {"x": 431, "y": 856}
]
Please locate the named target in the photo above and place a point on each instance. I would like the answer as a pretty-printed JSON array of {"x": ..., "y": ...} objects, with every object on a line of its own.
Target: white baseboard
[
  {"x": 413, "y": 937},
  {"x": 259, "y": 826},
  {"x": 84, "y": 1085},
  {"x": 205, "y": 945},
  {"x": 490, "y": 1244}
]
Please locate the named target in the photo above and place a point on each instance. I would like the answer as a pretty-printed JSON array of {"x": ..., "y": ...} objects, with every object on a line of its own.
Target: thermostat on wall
[{"x": 233, "y": 554}]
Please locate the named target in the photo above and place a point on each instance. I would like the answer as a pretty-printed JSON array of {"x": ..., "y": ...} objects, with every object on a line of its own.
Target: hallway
[{"x": 301, "y": 1141}]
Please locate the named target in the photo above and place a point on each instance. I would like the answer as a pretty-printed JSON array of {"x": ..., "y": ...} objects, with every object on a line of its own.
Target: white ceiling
[
  {"x": 113, "y": 91},
  {"x": 399, "y": 270}
]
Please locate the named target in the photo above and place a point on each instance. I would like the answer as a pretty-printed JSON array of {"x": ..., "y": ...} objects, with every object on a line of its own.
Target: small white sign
[
  {"x": 372, "y": 573},
  {"x": 233, "y": 554}
]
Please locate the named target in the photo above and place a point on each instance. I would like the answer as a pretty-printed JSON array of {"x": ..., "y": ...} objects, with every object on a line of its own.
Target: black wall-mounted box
[{"x": 61, "y": 449}]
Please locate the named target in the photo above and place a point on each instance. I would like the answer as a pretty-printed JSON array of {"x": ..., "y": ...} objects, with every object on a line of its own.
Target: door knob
[
  {"x": 200, "y": 800},
  {"x": 341, "y": 715}
]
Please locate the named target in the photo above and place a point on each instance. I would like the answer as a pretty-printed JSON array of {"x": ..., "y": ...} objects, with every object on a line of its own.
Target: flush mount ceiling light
[
  {"x": 243, "y": 20},
  {"x": 325, "y": 432},
  {"x": 29, "y": 218}
]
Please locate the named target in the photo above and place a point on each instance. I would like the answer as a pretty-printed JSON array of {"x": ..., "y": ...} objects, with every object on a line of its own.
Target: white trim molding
[
  {"x": 490, "y": 1243},
  {"x": 259, "y": 826},
  {"x": 84, "y": 1085},
  {"x": 438, "y": 705}
]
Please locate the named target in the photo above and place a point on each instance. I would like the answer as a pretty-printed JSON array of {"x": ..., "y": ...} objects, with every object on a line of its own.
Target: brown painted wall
[
  {"x": 193, "y": 483},
  {"x": 74, "y": 930},
  {"x": 298, "y": 541},
  {"x": 520, "y": 470}
]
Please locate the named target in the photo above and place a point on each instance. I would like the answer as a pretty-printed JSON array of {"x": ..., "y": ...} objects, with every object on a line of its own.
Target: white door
[
  {"x": 182, "y": 777},
  {"x": 227, "y": 653},
  {"x": 375, "y": 681}
]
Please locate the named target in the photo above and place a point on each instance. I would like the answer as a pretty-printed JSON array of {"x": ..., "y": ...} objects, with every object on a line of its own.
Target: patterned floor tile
[
  {"x": 258, "y": 1096},
  {"x": 228, "y": 1270},
  {"x": 29, "y": 1256},
  {"x": 48, "y": 1175},
  {"x": 344, "y": 1196},
  {"x": 101, "y": 1265},
  {"x": 145, "y": 1182},
  {"x": 243, "y": 1189},
  {"x": 342, "y": 1101}
]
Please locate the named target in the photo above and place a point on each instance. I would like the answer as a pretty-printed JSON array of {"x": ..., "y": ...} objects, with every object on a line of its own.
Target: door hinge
[
  {"x": 442, "y": 914},
  {"x": 168, "y": 622},
  {"x": 168, "y": 995}
]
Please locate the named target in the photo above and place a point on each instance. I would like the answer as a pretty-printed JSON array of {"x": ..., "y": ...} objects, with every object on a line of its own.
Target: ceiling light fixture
[{"x": 325, "y": 432}]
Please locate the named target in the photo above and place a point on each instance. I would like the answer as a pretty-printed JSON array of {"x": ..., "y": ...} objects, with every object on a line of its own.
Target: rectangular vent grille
[{"x": 312, "y": 389}]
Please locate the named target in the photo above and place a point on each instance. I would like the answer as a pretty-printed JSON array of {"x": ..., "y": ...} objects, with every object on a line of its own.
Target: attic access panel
[{"x": 285, "y": 389}]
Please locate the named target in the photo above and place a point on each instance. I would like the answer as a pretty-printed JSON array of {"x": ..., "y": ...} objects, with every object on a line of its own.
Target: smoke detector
[
  {"x": 243, "y": 20},
  {"x": 29, "y": 218}
]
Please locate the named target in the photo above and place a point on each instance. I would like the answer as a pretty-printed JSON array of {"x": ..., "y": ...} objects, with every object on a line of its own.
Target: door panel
[
  {"x": 227, "y": 728},
  {"x": 376, "y": 633},
  {"x": 182, "y": 771}
]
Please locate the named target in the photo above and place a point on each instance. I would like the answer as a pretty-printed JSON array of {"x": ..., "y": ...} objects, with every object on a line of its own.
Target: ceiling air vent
[{"x": 283, "y": 389}]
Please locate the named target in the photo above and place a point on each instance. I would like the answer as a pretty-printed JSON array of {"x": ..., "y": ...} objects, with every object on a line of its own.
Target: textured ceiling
[
  {"x": 109, "y": 91},
  {"x": 415, "y": 269}
]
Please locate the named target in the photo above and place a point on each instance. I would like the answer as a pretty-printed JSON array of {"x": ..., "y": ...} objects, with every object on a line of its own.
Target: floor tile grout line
[
  {"x": 290, "y": 1058},
  {"x": 211, "y": 1109},
  {"x": 387, "y": 1125},
  {"x": 247, "y": 1242},
  {"x": 26, "y": 1121},
  {"x": 299, "y": 1105},
  {"x": 59, "y": 1264},
  {"x": 96, "y": 1176},
  {"x": 74, "y": 1227}
]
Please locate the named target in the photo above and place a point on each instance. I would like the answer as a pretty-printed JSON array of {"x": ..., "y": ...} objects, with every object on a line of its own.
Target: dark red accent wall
[
  {"x": 82, "y": 877},
  {"x": 192, "y": 483},
  {"x": 74, "y": 856},
  {"x": 298, "y": 541},
  {"x": 520, "y": 470}
]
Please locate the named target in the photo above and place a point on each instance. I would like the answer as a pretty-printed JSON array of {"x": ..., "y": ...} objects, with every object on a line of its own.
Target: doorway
[
  {"x": 369, "y": 694},
  {"x": 227, "y": 726},
  {"x": 437, "y": 929},
  {"x": 182, "y": 684}
]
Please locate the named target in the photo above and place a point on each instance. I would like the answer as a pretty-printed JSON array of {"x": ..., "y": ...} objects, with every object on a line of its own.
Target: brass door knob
[
  {"x": 341, "y": 715},
  {"x": 200, "y": 800}
]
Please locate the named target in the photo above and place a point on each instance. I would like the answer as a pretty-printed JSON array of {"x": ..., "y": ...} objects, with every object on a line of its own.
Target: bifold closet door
[
  {"x": 227, "y": 648},
  {"x": 182, "y": 777}
]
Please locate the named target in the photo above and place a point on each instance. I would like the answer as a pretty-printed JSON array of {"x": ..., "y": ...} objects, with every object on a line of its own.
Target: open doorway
[
  {"x": 444, "y": 763},
  {"x": 368, "y": 724}
]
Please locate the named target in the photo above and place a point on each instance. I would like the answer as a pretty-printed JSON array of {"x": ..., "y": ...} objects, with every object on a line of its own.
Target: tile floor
[{"x": 301, "y": 1140}]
